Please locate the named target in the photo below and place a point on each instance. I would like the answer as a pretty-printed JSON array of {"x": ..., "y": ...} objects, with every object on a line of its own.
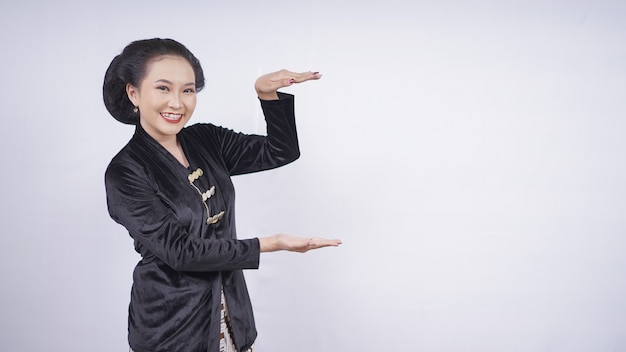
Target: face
[{"x": 166, "y": 97}]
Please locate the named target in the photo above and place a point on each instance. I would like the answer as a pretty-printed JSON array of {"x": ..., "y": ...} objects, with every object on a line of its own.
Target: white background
[{"x": 470, "y": 154}]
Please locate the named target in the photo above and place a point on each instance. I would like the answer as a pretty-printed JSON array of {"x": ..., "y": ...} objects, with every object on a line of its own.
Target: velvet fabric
[{"x": 185, "y": 261}]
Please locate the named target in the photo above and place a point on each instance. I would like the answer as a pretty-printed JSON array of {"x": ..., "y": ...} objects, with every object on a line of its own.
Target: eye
[
  {"x": 190, "y": 90},
  {"x": 163, "y": 88}
]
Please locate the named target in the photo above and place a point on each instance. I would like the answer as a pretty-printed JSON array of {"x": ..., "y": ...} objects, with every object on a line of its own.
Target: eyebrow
[{"x": 168, "y": 82}]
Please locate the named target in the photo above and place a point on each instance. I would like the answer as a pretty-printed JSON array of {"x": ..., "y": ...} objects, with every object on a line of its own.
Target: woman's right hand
[{"x": 283, "y": 242}]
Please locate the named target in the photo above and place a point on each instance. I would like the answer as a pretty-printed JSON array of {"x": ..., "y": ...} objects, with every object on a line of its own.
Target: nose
[{"x": 175, "y": 101}]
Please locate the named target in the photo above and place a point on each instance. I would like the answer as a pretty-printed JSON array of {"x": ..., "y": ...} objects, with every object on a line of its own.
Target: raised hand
[{"x": 267, "y": 85}]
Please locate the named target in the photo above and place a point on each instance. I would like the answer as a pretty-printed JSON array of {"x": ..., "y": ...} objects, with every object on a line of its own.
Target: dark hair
[{"x": 130, "y": 67}]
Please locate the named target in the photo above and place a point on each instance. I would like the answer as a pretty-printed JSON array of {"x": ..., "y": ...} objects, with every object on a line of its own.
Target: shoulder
[
  {"x": 130, "y": 160},
  {"x": 205, "y": 132},
  {"x": 200, "y": 128},
  {"x": 124, "y": 163}
]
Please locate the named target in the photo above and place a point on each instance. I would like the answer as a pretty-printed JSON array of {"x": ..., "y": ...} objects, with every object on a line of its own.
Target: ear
[{"x": 133, "y": 94}]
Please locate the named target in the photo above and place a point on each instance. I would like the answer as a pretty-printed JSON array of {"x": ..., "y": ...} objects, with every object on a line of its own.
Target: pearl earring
[{"x": 135, "y": 109}]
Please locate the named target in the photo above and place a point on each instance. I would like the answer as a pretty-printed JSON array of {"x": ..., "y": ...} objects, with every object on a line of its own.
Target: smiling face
[{"x": 166, "y": 97}]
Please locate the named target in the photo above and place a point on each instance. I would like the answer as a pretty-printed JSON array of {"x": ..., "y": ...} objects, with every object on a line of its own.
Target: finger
[
  {"x": 293, "y": 77},
  {"x": 307, "y": 76},
  {"x": 322, "y": 242}
]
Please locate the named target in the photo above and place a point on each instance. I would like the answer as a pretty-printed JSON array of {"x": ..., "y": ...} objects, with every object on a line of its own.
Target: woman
[{"x": 170, "y": 187}]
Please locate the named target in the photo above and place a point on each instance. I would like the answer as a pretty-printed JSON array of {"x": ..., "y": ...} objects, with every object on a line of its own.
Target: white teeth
[{"x": 171, "y": 116}]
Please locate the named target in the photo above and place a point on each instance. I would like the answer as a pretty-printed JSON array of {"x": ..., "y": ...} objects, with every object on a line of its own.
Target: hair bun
[{"x": 114, "y": 93}]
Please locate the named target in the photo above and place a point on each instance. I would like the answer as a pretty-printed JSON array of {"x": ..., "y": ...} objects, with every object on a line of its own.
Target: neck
[
  {"x": 166, "y": 140},
  {"x": 171, "y": 144}
]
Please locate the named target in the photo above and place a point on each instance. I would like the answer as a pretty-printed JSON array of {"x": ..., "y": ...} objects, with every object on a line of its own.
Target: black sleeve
[{"x": 133, "y": 203}]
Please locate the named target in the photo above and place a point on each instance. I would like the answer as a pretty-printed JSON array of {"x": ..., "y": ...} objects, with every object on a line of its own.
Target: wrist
[{"x": 268, "y": 244}]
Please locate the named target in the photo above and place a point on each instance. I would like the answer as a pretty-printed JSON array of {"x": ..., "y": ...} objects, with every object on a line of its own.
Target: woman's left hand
[{"x": 267, "y": 85}]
